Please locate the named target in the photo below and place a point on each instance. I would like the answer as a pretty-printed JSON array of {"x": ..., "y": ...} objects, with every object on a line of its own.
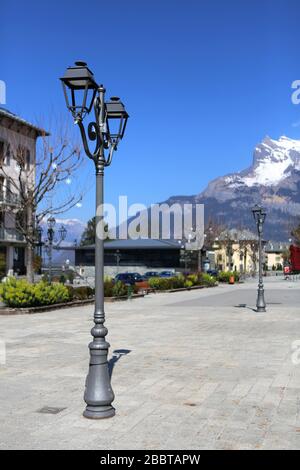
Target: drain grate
[{"x": 51, "y": 410}]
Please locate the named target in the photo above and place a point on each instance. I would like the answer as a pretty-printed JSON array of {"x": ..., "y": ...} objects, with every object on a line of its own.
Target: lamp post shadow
[
  {"x": 245, "y": 306},
  {"x": 116, "y": 356}
]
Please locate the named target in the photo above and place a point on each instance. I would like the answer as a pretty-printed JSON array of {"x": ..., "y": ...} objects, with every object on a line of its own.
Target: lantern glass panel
[
  {"x": 116, "y": 117},
  {"x": 51, "y": 222},
  {"x": 79, "y": 88}
]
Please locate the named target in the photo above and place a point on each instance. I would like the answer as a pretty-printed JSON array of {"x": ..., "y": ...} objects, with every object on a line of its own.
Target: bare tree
[
  {"x": 212, "y": 231},
  {"x": 253, "y": 253},
  {"x": 39, "y": 185}
]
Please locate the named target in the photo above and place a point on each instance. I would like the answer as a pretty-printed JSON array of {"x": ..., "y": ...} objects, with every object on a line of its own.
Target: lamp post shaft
[
  {"x": 260, "y": 303},
  {"x": 50, "y": 261},
  {"x": 98, "y": 392}
]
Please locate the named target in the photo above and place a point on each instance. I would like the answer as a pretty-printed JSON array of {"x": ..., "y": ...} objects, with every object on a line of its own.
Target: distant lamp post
[
  {"x": 62, "y": 232},
  {"x": 82, "y": 93},
  {"x": 118, "y": 258},
  {"x": 259, "y": 215},
  {"x": 39, "y": 235}
]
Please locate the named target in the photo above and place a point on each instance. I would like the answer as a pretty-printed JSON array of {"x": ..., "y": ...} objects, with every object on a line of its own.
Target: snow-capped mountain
[
  {"x": 273, "y": 180},
  {"x": 273, "y": 162}
]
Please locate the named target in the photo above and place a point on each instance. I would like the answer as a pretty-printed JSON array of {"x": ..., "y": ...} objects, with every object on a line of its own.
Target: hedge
[
  {"x": 224, "y": 276},
  {"x": 177, "y": 282},
  {"x": 20, "y": 293}
]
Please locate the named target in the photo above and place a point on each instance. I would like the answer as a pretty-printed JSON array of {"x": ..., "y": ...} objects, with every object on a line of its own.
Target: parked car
[
  {"x": 149, "y": 274},
  {"x": 167, "y": 274},
  {"x": 212, "y": 272},
  {"x": 130, "y": 279},
  {"x": 133, "y": 279}
]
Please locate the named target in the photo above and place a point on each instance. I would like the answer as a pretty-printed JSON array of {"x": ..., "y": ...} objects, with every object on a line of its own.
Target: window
[
  {"x": 27, "y": 160},
  {"x": 23, "y": 157},
  {"x": 8, "y": 189}
]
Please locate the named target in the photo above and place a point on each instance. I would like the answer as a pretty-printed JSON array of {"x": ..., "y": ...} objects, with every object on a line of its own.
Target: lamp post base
[
  {"x": 99, "y": 412},
  {"x": 260, "y": 304},
  {"x": 261, "y": 309}
]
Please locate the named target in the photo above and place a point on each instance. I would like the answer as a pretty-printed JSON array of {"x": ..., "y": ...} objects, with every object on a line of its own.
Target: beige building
[
  {"x": 274, "y": 254},
  {"x": 236, "y": 250},
  {"x": 17, "y": 136}
]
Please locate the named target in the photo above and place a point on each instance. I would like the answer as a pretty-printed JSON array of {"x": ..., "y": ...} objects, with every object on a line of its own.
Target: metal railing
[{"x": 11, "y": 235}]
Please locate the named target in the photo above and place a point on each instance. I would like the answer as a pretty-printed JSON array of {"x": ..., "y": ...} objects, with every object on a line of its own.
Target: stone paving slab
[{"x": 197, "y": 374}]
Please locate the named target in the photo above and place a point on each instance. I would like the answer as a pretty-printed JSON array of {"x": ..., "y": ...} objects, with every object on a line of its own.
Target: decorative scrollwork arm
[
  {"x": 93, "y": 135},
  {"x": 112, "y": 148}
]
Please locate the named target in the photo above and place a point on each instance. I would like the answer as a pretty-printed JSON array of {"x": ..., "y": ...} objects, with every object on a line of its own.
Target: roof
[
  {"x": 139, "y": 244},
  {"x": 238, "y": 235},
  {"x": 5, "y": 113},
  {"x": 276, "y": 247}
]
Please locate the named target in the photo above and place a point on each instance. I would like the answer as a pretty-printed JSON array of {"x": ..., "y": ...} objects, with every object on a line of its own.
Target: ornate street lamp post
[
  {"x": 62, "y": 232},
  {"x": 118, "y": 258},
  {"x": 39, "y": 234},
  {"x": 259, "y": 215},
  {"x": 106, "y": 131},
  {"x": 50, "y": 232}
]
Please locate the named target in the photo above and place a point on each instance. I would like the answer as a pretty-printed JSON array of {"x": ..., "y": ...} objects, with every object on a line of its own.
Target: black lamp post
[
  {"x": 62, "y": 232},
  {"x": 259, "y": 215},
  {"x": 118, "y": 258},
  {"x": 106, "y": 131},
  {"x": 39, "y": 234}
]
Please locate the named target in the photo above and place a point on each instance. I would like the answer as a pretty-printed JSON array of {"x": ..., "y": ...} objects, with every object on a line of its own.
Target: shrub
[
  {"x": 70, "y": 290},
  {"x": 47, "y": 294},
  {"x": 194, "y": 279},
  {"x": 108, "y": 287},
  {"x": 154, "y": 283},
  {"x": 20, "y": 293},
  {"x": 224, "y": 276},
  {"x": 188, "y": 283},
  {"x": 120, "y": 289},
  {"x": 83, "y": 292},
  {"x": 176, "y": 282},
  {"x": 158, "y": 283},
  {"x": 207, "y": 280}
]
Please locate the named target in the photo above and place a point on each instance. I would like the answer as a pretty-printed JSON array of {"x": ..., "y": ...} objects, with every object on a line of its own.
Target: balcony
[
  {"x": 11, "y": 235},
  {"x": 10, "y": 199}
]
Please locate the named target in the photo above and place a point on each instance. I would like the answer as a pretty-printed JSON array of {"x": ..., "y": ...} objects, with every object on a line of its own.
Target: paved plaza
[{"x": 190, "y": 370}]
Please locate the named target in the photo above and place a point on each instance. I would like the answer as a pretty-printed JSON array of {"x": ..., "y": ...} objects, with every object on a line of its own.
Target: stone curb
[{"x": 48, "y": 308}]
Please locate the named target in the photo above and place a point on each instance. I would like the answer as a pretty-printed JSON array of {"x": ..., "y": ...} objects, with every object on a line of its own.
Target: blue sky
[{"x": 203, "y": 81}]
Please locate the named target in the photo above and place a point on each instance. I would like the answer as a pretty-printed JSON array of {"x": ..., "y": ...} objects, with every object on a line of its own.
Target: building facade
[
  {"x": 17, "y": 137},
  {"x": 236, "y": 250},
  {"x": 139, "y": 255},
  {"x": 276, "y": 255}
]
